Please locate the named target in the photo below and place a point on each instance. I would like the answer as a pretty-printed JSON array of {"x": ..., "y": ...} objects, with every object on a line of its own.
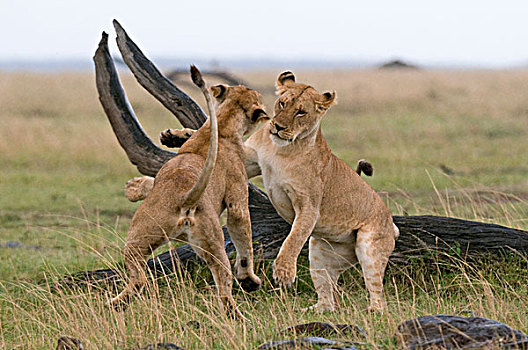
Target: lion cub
[
  {"x": 192, "y": 189},
  {"x": 321, "y": 196}
]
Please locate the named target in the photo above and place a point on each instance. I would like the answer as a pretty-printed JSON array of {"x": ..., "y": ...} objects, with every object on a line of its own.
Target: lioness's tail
[
  {"x": 193, "y": 196},
  {"x": 365, "y": 167}
]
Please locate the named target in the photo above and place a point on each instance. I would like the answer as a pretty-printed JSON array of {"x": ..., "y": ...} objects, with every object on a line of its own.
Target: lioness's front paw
[
  {"x": 138, "y": 188},
  {"x": 377, "y": 306},
  {"x": 284, "y": 271},
  {"x": 175, "y": 137},
  {"x": 320, "y": 307}
]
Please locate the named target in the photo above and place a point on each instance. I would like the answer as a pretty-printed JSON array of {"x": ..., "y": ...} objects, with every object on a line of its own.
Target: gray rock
[
  {"x": 322, "y": 329},
  {"x": 161, "y": 346},
  {"x": 69, "y": 343},
  {"x": 18, "y": 245},
  {"x": 307, "y": 343},
  {"x": 458, "y": 332}
]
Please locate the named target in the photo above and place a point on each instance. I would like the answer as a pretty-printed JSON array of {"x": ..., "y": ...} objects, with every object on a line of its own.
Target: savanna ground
[{"x": 445, "y": 143}]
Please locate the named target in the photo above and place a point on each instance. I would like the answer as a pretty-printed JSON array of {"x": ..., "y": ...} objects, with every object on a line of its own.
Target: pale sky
[{"x": 489, "y": 33}]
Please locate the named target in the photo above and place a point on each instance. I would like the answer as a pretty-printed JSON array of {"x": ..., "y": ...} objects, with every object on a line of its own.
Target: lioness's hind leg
[
  {"x": 327, "y": 261},
  {"x": 138, "y": 188},
  {"x": 239, "y": 227},
  {"x": 373, "y": 248}
]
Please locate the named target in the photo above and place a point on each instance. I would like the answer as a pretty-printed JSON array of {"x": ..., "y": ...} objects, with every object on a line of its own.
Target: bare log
[
  {"x": 179, "y": 103},
  {"x": 417, "y": 233},
  {"x": 140, "y": 149}
]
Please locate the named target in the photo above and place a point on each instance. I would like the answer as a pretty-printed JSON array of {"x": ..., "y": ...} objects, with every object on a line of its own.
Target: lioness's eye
[
  {"x": 300, "y": 113},
  {"x": 281, "y": 104}
]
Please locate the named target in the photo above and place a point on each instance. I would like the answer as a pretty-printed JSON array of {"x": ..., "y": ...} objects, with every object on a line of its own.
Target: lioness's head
[
  {"x": 246, "y": 100},
  {"x": 298, "y": 110}
]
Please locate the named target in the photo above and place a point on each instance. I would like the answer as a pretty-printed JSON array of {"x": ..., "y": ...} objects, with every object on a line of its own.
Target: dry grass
[{"x": 446, "y": 143}]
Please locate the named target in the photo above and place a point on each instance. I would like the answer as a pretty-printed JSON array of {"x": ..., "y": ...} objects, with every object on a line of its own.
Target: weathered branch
[
  {"x": 140, "y": 149},
  {"x": 179, "y": 103}
]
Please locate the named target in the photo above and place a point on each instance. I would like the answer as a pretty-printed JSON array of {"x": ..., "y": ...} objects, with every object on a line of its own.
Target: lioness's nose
[{"x": 278, "y": 127}]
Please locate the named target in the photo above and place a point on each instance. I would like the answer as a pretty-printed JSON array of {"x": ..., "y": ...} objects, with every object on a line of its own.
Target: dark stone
[
  {"x": 19, "y": 245},
  {"x": 308, "y": 343},
  {"x": 161, "y": 346},
  {"x": 13, "y": 245},
  {"x": 69, "y": 343},
  {"x": 455, "y": 332},
  {"x": 322, "y": 329}
]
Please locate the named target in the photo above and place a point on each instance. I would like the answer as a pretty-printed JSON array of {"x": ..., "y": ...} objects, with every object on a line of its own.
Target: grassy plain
[{"x": 442, "y": 142}]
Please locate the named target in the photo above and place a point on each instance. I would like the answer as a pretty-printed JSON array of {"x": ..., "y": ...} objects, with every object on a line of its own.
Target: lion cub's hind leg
[
  {"x": 328, "y": 260},
  {"x": 137, "y": 249},
  {"x": 239, "y": 227},
  {"x": 207, "y": 240}
]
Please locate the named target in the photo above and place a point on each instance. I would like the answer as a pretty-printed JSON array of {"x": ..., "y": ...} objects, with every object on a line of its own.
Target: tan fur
[
  {"x": 320, "y": 195},
  {"x": 159, "y": 218}
]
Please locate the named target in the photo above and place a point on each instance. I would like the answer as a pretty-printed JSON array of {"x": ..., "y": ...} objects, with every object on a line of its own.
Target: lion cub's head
[
  {"x": 233, "y": 98},
  {"x": 298, "y": 110}
]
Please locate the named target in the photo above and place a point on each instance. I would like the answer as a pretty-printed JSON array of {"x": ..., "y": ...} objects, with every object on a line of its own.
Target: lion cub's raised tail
[{"x": 193, "y": 196}]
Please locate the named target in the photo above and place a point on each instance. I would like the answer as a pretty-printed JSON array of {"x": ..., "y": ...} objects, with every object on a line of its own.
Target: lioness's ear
[
  {"x": 219, "y": 91},
  {"x": 284, "y": 79},
  {"x": 328, "y": 100},
  {"x": 258, "y": 114}
]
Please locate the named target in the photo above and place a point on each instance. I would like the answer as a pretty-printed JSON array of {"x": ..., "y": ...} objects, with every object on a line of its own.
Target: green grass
[{"x": 62, "y": 175}]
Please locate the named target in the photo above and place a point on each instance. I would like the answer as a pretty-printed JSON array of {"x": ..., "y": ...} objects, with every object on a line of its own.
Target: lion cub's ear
[
  {"x": 258, "y": 114},
  {"x": 219, "y": 91},
  {"x": 328, "y": 99},
  {"x": 285, "y": 79}
]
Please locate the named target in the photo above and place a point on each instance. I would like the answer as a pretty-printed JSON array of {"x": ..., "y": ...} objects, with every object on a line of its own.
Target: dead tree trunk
[{"x": 417, "y": 233}]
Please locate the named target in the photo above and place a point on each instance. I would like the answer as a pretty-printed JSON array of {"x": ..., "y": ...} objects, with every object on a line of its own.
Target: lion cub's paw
[
  {"x": 250, "y": 283},
  {"x": 138, "y": 188},
  {"x": 284, "y": 271},
  {"x": 175, "y": 137}
]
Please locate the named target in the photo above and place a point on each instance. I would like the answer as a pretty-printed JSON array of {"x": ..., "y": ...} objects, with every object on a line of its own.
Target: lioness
[
  {"x": 320, "y": 195},
  {"x": 192, "y": 189}
]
